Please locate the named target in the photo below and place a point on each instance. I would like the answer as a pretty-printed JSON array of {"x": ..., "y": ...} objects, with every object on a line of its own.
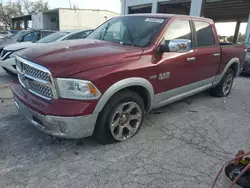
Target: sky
[
  {"x": 227, "y": 29},
  {"x": 224, "y": 29},
  {"x": 112, "y": 5}
]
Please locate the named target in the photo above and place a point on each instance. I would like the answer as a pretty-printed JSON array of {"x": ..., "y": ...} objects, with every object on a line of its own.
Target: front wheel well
[{"x": 144, "y": 94}]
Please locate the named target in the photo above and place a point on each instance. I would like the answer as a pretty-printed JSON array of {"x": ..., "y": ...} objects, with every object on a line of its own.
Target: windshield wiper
[
  {"x": 106, "y": 30},
  {"x": 130, "y": 35}
]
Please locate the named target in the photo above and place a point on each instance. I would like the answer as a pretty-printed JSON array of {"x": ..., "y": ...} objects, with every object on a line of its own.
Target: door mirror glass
[
  {"x": 176, "y": 45},
  {"x": 180, "y": 45}
]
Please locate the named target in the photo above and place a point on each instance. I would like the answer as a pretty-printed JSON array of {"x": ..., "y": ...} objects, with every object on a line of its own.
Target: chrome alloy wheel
[
  {"x": 126, "y": 121},
  {"x": 227, "y": 84}
]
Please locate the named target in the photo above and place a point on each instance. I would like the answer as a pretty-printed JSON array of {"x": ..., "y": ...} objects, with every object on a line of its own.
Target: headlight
[{"x": 77, "y": 89}]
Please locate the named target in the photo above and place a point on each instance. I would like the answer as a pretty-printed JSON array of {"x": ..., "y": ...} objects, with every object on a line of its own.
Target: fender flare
[
  {"x": 122, "y": 84},
  {"x": 234, "y": 60}
]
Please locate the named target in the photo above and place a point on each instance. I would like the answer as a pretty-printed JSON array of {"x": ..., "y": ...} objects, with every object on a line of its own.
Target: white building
[
  {"x": 218, "y": 10},
  {"x": 66, "y": 19},
  {"x": 70, "y": 19}
]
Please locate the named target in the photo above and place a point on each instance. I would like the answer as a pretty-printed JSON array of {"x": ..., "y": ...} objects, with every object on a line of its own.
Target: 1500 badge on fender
[{"x": 164, "y": 76}]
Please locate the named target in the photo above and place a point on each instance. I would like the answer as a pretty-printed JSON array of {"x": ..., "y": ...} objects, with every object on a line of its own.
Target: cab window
[
  {"x": 204, "y": 33},
  {"x": 178, "y": 29}
]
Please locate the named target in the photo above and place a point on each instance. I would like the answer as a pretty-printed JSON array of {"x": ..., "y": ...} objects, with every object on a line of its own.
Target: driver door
[{"x": 178, "y": 66}]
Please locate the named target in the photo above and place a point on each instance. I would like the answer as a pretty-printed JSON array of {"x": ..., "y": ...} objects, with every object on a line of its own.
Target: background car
[
  {"x": 246, "y": 66},
  {"x": 7, "y": 56},
  {"x": 4, "y": 34},
  {"x": 25, "y": 36},
  {"x": 13, "y": 32}
]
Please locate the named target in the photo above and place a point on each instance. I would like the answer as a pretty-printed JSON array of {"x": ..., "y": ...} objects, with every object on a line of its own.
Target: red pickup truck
[{"x": 103, "y": 85}]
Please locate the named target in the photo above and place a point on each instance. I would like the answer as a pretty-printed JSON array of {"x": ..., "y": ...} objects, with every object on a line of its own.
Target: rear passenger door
[{"x": 207, "y": 52}]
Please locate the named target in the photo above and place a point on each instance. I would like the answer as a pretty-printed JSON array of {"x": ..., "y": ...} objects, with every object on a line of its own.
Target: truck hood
[
  {"x": 19, "y": 46},
  {"x": 66, "y": 58}
]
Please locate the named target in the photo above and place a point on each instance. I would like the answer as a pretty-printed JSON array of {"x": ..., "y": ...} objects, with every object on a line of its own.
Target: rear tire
[
  {"x": 223, "y": 89},
  {"x": 121, "y": 118}
]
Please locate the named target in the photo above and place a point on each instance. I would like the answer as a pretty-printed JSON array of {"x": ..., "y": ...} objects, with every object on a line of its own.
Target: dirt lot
[{"x": 179, "y": 146}]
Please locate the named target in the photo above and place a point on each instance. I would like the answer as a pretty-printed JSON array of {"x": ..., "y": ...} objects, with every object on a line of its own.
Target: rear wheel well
[{"x": 234, "y": 67}]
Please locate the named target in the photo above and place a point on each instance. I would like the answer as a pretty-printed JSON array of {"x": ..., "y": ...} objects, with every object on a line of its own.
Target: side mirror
[
  {"x": 176, "y": 45},
  {"x": 20, "y": 39}
]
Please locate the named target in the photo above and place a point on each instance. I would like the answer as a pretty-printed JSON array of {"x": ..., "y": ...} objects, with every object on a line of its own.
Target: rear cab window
[{"x": 204, "y": 34}]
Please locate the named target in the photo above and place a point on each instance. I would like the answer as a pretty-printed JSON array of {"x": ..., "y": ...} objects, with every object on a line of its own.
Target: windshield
[
  {"x": 130, "y": 30},
  {"x": 52, "y": 37}
]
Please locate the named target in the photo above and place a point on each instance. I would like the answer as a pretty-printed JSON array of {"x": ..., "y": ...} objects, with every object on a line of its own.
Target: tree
[
  {"x": 8, "y": 11},
  {"x": 241, "y": 38},
  {"x": 20, "y": 8},
  {"x": 31, "y": 7}
]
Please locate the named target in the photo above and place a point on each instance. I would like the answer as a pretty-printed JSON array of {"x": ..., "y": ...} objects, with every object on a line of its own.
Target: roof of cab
[{"x": 157, "y": 15}]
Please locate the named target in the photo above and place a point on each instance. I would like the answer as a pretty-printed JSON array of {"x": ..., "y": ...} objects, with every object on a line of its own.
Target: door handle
[
  {"x": 216, "y": 54},
  {"x": 189, "y": 59}
]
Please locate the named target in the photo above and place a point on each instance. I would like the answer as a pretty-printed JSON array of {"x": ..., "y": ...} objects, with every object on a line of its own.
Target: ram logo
[{"x": 165, "y": 75}]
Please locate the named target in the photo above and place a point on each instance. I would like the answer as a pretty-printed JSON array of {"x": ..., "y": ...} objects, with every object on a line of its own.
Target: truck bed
[{"x": 230, "y": 51}]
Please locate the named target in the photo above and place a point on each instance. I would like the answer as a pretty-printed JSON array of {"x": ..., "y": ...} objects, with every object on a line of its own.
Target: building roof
[
  {"x": 28, "y": 16},
  {"x": 218, "y": 10},
  {"x": 229, "y": 10}
]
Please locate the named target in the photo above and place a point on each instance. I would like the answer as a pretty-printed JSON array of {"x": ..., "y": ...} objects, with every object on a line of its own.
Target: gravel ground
[
  {"x": 4, "y": 77},
  {"x": 182, "y": 145},
  {"x": 5, "y": 81}
]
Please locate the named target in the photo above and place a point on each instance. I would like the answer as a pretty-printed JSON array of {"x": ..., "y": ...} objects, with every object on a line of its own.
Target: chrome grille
[
  {"x": 35, "y": 78},
  {"x": 35, "y": 72},
  {"x": 40, "y": 89}
]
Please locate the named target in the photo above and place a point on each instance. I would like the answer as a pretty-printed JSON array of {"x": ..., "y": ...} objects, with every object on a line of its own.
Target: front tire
[
  {"x": 121, "y": 118},
  {"x": 223, "y": 89}
]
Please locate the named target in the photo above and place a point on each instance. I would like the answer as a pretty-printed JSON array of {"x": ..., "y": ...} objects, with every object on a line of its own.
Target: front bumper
[
  {"x": 65, "y": 127},
  {"x": 9, "y": 64}
]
